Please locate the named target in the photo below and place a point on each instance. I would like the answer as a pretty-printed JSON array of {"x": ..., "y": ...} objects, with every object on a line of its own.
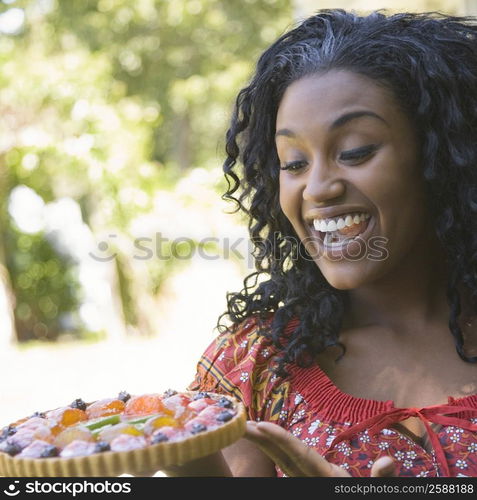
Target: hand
[
  {"x": 212, "y": 466},
  {"x": 296, "y": 459}
]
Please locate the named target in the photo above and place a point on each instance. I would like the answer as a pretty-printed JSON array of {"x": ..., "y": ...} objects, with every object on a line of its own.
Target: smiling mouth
[{"x": 335, "y": 238}]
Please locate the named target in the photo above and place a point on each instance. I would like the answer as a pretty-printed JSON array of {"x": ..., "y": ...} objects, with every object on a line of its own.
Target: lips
[{"x": 350, "y": 248}]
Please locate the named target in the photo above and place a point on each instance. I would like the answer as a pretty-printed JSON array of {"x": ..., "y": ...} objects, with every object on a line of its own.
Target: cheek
[{"x": 290, "y": 199}]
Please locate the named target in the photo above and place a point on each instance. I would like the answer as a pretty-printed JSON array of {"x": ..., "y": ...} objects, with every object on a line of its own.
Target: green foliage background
[{"x": 108, "y": 102}]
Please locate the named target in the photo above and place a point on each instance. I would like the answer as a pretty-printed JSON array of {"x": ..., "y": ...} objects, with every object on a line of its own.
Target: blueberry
[
  {"x": 7, "y": 432},
  {"x": 79, "y": 404},
  {"x": 225, "y": 416},
  {"x": 49, "y": 451},
  {"x": 225, "y": 403},
  {"x": 39, "y": 414},
  {"x": 196, "y": 428},
  {"x": 11, "y": 448},
  {"x": 169, "y": 393},
  {"x": 159, "y": 437},
  {"x": 124, "y": 396},
  {"x": 101, "y": 446},
  {"x": 201, "y": 395}
]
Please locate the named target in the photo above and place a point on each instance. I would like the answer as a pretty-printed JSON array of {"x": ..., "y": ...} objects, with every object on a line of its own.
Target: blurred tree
[
  {"x": 185, "y": 59},
  {"x": 105, "y": 102}
]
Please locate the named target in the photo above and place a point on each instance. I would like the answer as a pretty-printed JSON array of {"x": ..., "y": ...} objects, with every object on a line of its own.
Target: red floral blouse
[{"x": 348, "y": 431}]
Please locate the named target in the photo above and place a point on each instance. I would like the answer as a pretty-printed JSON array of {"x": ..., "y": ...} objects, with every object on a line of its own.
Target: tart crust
[{"x": 151, "y": 458}]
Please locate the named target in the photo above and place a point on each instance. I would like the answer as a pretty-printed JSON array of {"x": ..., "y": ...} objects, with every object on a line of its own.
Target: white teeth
[{"x": 339, "y": 222}]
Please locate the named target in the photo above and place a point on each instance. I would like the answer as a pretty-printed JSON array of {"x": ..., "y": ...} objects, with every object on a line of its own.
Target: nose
[{"x": 322, "y": 183}]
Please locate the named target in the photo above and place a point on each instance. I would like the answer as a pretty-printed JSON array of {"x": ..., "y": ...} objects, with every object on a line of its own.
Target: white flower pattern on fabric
[
  {"x": 461, "y": 464},
  {"x": 364, "y": 438},
  {"x": 298, "y": 399},
  {"x": 297, "y": 431},
  {"x": 383, "y": 445},
  {"x": 455, "y": 438},
  {"x": 412, "y": 455},
  {"x": 299, "y": 415},
  {"x": 423, "y": 473},
  {"x": 400, "y": 455},
  {"x": 408, "y": 464},
  {"x": 221, "y": 356},
  {"x": 329, "y": 440},
  {"x": 265, "y": 353},
  {"x": 370, "y": 464},
  {"x": 244, "y": 343},
  {"x": 472, "y": 448},
  {"x": 313, "y": 426},
  {"x": 244, "y": 377},
  {"x": 344, "y": 449},
  {"x": 388, "y": 432}
]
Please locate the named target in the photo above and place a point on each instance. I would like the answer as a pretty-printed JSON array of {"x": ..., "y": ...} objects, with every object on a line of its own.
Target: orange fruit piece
[
  {"x": 105, "y": 407},
  {"x": 148, "y": 404},
  {"x": 65, "y": 416}
]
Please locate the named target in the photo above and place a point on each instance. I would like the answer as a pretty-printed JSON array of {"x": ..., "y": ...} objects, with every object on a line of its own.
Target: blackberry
[
  {"x": 159, "y": 437},
  {"x": 196, "y": 428},
  {"x": 49, "y": 451},
  {"x": 79, "y": 404},
  {"x": 225, "y": 416},
  {"x": 124, "y": 396}
]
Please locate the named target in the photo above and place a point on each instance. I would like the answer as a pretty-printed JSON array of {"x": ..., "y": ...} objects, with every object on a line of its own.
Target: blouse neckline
[{"x": 320, "y": 391}]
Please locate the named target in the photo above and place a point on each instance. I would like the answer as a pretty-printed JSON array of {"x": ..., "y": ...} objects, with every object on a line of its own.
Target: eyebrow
[{"x": 339, "y": 122}]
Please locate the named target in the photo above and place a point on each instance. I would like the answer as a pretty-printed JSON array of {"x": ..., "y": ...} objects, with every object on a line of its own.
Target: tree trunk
[{"x": 8, "y": 334}]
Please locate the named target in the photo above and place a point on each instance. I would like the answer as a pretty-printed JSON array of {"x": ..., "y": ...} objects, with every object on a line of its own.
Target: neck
[{"x": 411, "y": 298}]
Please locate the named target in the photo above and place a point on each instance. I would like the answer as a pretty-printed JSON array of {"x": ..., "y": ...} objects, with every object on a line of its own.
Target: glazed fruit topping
[{"x": 116, "y": 424}]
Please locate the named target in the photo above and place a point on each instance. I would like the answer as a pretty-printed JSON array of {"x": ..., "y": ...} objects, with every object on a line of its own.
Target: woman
[{"x": 357, "y": 140}]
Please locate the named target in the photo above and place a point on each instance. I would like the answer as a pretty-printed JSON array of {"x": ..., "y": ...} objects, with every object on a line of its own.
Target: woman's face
[{"x": 350, "y": 180}]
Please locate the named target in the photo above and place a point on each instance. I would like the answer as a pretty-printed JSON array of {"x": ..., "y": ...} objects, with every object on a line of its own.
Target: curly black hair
[{"x": 429, "y": 62}]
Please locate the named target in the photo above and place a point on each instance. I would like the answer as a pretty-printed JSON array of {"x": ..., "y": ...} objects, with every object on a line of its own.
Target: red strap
[{"x": 435, "y": 414}]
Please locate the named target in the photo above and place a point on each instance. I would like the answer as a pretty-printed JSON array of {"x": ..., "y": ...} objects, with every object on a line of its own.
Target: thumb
[{"x": 384, "y": 467}]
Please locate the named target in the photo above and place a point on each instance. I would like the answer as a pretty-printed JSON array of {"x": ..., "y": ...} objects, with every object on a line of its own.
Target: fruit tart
[{"x": 126, "y": 434}]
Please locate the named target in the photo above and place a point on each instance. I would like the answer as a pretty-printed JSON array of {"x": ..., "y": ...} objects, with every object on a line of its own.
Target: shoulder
[{"x": 240, "y": 362}]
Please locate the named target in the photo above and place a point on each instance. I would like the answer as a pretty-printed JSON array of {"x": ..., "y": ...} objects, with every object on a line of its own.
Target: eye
[
  {"x": 294, "y": 166},
  {"x": 358, "y": 155}
]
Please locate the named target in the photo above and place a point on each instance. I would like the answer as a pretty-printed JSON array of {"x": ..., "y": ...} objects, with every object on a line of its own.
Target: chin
[{"x": 345, "y": 276}]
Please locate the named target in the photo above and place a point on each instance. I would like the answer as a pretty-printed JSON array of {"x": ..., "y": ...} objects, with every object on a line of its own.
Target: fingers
[
  {"x": 294, "y": 458},
  {"x": 384, "y": 467}
]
